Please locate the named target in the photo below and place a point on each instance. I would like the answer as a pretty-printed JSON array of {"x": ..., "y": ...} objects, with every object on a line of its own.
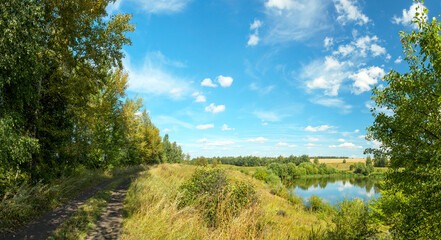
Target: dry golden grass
[
  {"x": 340, "y": 160},
  {"x": 152, "y": 212}
]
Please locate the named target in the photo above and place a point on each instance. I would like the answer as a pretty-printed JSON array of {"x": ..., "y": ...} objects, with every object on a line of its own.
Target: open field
[
  {"x": 152, "y": 210},
  {"x": 340, "y": 160}
]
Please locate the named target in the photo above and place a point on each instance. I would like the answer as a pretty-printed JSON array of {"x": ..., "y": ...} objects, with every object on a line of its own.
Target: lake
[{"x": 334, "y": 189}]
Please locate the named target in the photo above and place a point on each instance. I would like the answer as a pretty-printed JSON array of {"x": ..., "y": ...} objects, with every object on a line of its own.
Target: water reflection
[{"x": 335, "y": 189}]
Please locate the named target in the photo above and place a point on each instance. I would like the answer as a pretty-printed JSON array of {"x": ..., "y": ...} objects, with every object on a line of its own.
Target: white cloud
[
  {"x": 349, "y": 12},
  {"x": 329, "y": 41},
  {"x": 226, "y": 128},
  {"x": 254, "y": 40},
  {"x": 312, "y": 139},
  {"x": 166, "y": 130},
  {"x": 254, "y": 37},
  {"x": 360, "y": 47},
  {"x": 201, "y": 140},
  {"x": 153, "y": 6},
  {"x": 154, "y": 77},
  {"x": 365, "y": 78},
  {"x": 341, "y": 140},
  {"x": 215, "y": 109},
  {"x": 327, "y": 74},
  {"x": 264, "y": 124},
  {"x": 200, "y": 98},
  {"x": 332, "y": 102},
  {"x": 195, "y": 94},
  {"x": 208, "y": 83},
  {"x": 346, "y": 145},
  {"x": 407, "y": 16},
  {"x": 256, "y": 24},
  {"x": 318, "y": 128},
  {"x": 311, "y": 145},
  {"x": 378, "y": 50},
  {"x": 205, "y": 126},
  {"x": 294, "y": 20},
  {"x": 224, "y": 81},
  {"x": 356, "y": 131},
  {"x": 257, "y": 140},
  {"x": 220, "y": 143},
  {"x": 286, "y": 145},
  {"x": 398, "y": 60}
]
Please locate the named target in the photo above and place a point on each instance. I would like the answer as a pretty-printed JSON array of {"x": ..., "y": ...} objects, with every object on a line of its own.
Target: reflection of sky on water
[{"x": 336, "y": 191}]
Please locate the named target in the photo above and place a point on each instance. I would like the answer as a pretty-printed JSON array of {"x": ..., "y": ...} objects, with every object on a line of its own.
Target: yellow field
[{"x": 340, "y": 160}]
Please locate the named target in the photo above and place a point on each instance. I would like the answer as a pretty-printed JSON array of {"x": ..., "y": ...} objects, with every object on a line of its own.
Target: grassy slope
[{"x": 151, "y": 211}]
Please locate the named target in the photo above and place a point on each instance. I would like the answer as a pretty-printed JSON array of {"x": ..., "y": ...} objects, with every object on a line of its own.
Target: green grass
[
  {"x": 152, "y": 212},
  {"x": 84, "y": 219},
  {"x": 26, "y": 202}
]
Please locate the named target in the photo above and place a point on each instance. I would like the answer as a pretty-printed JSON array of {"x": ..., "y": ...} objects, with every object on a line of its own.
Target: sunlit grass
[{"x": 151, "y": 211}]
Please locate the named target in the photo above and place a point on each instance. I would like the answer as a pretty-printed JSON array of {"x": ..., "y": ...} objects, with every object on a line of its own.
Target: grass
[
  {"x": 151, "y": 211},
  {"x": 84, "y": 219},
  {"x": 26, "y": 202}
]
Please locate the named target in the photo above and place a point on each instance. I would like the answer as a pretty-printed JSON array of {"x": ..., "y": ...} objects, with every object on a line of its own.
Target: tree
[
  {"x": 410, "y": 136},
  {"x": 316, "y": 161}
]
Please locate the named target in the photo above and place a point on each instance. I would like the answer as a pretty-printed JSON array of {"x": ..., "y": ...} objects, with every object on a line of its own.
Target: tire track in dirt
[{"x": 109, "y": 223}]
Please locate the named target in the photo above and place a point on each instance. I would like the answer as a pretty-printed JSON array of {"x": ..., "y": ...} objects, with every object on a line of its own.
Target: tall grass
[
  {"x": 152, "y": 211},
  {"x": 25, "y": 202}
]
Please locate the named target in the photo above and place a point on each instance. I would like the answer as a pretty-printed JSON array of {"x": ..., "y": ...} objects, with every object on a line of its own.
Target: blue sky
[{"x": 264, "y": 77}]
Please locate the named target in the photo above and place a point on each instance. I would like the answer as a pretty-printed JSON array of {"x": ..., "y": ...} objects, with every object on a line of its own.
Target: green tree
[
  {"x": 316, "y": 161},
  {"x": 410, "y": 136}
]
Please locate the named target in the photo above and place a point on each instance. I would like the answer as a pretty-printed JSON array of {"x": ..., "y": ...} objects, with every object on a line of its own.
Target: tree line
[{"x": 63, "y": 100}]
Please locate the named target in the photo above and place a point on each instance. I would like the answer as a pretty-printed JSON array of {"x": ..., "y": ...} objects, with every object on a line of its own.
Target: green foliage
[
  {"x": 352, "y": 221},
  {"x": 361, "y": 168},
  {"x": 380, "y": 161},
  {"x": 316, "y": 161},
  {"x": 410, "y": 135},
  {"x": 172, "y": 153},
  {"x": 315, "y": 203},
  {"x": 216, "y": 198},
  {"x": 344, "y": 160}
]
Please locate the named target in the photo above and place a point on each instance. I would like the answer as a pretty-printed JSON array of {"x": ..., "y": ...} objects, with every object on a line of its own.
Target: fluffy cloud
[
  {"x": 224, "y": 81},
  {"x": 360, "y": 47},
  {"x": 407, "y": 16},
  {"x": 200, "y": 98},
  {"x": 398, "y": 60},
  {"x": 254, "y": 40},
  {"x": 312, "y": 139},
  {"x": 257, "y": 140},
  {"x": 341, "y": 140},
  {"x": 269, "y": 116},
  {"x": 327, "y": 75},
  {"x": 329, "y": 41},
  {"x": 152, "y": 6},
  {"x": 201, "y": 140},
  {"x": 166, "y": 130},
  {"x": 318, "y": 128},
  {"x": 365, "y": 78},
  {"x": 205, "y": 126},
  {"x": 311, "y": 145},
  {"x": 215, "y": 109},
  {"x": 254, "y": 37},
  {"x": 226, "y": 128},
  {"x": 208, "y": 83},
  {"x": 346, "y": 145},
  {"x": 348, "y": 12}
]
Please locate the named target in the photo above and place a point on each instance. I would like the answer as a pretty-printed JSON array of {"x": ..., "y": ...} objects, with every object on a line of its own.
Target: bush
[
  {"x": 316, "y": 204},
  {"x": 352, "y": 221},
  {"x": 215, "y": 197}
]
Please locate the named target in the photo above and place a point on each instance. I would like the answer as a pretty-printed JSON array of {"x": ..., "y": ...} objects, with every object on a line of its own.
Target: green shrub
[
  {"x": 316, "y": 204},
  {"x": 216, "y": 199},
  {"x": 352, "y": 221}
]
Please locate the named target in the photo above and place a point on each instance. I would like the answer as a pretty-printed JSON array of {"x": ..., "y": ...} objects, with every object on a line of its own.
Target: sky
[{"x": 265, "y": 77}]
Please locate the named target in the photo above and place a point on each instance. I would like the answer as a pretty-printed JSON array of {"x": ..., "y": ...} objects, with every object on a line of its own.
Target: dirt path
[
  {"x": 42, "y": 227},
  {"x": 109, "y": 224}
]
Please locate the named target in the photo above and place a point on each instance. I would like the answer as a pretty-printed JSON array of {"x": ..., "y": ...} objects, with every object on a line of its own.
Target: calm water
[{"x": 334, "y": 189}]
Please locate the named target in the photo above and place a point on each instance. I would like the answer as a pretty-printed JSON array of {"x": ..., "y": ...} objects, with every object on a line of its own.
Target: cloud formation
[
  {"x": 348, "y": 12},
  {"x": 257, "y": 140},
  {"x": 406, "y": 18},
  {"x": 215, "y": 109},
  {"x": 205, "y": 126},
  {"x": 318, "y": 128}
]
